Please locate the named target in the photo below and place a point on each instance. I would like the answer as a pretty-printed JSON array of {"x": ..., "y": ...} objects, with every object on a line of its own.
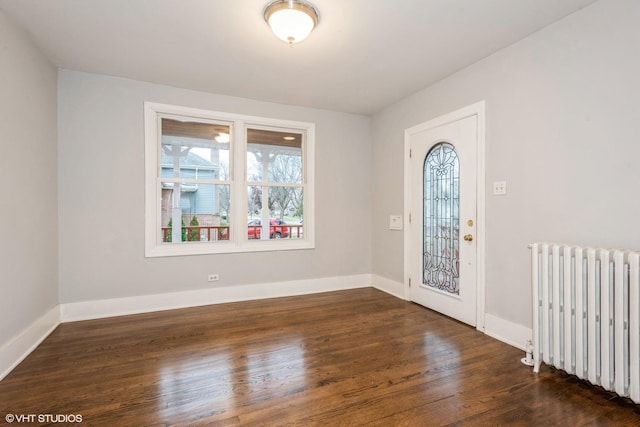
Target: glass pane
[
  {"x": 274, "y": 156},
  {"x": 195, "y": 150},
  {"x": 284, "y": 213},
  {"x": 441, "y": 224},
  {"x": 202, "y": 209}
]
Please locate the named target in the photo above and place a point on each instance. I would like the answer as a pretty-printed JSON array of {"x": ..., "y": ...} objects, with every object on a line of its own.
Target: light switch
[
  {"x": 395, "y": 222},
  {"x": 500, "y": 188}
]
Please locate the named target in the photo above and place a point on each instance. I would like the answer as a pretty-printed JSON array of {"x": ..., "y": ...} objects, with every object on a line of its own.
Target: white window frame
[{"x": 238, "y": 182}]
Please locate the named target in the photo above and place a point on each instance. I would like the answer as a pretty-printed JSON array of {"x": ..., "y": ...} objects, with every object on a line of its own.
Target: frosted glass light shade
[{"x": 291, "y": 20}]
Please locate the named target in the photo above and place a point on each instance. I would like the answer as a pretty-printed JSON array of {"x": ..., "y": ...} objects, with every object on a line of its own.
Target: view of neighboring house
[{"x": 202, "y": 201}]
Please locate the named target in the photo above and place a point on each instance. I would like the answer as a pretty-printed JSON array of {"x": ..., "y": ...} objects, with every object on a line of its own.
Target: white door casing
[{"x": 464, "y": 130}]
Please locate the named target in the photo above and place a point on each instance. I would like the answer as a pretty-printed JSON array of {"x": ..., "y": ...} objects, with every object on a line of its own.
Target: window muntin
[{"x": 202, "y": 170}]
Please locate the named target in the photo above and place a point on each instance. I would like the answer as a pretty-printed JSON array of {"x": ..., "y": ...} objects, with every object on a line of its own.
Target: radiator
[{"x": 586, "y": 314}]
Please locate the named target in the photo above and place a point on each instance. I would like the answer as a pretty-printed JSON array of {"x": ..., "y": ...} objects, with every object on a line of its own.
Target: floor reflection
[
  {"x": 230, "y": 377},
  {"x": 203, "y": 381}
]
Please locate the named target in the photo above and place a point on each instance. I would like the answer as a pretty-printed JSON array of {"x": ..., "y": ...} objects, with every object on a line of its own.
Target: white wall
[
  {"x": 101, "y": 195},
  {"x": 28, "y": 184},
  {"x": 563, "y": 128}
]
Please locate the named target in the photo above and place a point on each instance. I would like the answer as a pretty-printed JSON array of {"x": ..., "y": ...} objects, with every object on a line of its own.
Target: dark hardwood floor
[{"x": 357, "y": 357}]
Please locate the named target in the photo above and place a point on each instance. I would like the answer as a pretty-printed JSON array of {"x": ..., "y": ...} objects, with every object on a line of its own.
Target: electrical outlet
[{"x": 213, "y": 277}]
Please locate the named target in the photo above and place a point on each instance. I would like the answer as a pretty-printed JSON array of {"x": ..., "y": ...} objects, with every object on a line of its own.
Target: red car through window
[{"x": 277, "y": 229}]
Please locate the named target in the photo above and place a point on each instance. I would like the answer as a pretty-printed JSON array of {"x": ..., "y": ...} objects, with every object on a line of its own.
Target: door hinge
[
  {"x": 409, "y": 218},
  {"x": 410, "y": 154},
  {"x": 409, "y": 281}
]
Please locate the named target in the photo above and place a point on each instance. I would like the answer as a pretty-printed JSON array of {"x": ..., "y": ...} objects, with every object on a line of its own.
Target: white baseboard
[
  {"x": 13, "y": 352},
  {"x": 98, "y": 309},
  {"x": 20, "y": 346},
  {"x": 506, "y": 331},
  {"x": 389, "y": 286}
]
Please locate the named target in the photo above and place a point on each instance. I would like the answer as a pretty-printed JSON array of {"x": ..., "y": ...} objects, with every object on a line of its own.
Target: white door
[{"x": 442, "y": 229}]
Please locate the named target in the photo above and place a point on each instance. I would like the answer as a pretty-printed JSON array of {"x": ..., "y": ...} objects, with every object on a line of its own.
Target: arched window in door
[{"x": 441, "y": 224}]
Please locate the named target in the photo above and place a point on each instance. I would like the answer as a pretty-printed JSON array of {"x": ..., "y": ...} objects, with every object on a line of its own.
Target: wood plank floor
[{"x": 352, "y": 358}]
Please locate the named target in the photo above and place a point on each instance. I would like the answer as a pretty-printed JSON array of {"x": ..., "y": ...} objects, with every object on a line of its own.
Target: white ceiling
[{"x": 363, "y": 56}]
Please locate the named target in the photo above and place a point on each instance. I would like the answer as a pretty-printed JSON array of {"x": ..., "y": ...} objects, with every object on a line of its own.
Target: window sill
[{"x": 207, "y": 248}]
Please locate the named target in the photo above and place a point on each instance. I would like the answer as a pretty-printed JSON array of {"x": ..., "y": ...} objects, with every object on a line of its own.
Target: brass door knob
[{"x": 468, "y": 238}]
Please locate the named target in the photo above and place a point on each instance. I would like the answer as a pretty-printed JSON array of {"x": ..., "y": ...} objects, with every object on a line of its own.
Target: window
[
  {"x": 441, "y": 257},
  {"x": 221, "y": 183}
]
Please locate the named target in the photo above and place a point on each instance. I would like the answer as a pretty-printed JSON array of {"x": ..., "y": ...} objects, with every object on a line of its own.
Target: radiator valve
[{"x": 528, "y": 359}]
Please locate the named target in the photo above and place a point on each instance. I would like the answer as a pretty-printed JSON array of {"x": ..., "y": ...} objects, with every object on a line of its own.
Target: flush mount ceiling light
[{"x": 291, "y": 20}]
